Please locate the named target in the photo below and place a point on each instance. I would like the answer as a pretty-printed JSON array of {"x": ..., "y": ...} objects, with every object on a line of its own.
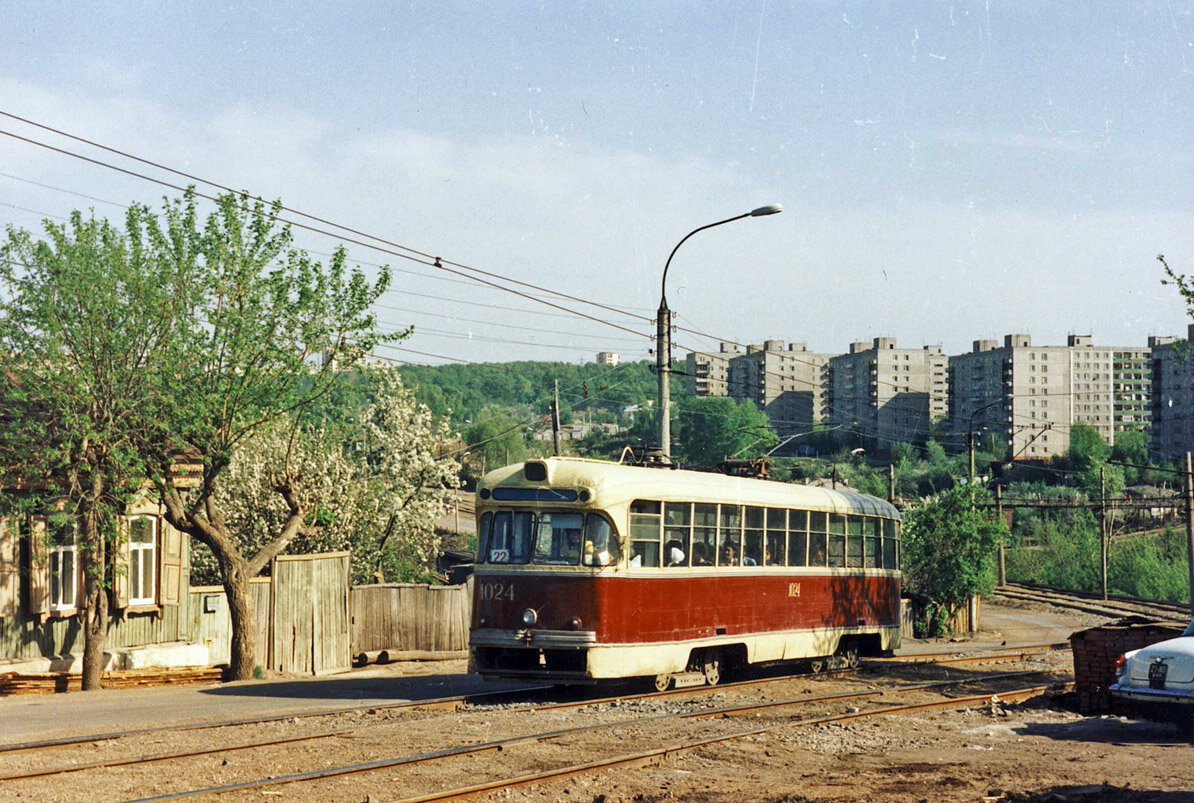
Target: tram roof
[{"x": 618, "y": 481}]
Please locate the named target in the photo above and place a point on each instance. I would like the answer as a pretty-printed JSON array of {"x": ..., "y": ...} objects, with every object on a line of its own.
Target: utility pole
[
  {"x": 970, "y": 452},
  {"x": 663, "y": 367},
  {"x": 555, "y": 419},
  {"x": 891, "y": 483},
  {"x": 1190, "y": 525},
  {"x": 999, "y": 514},
  {"x": 1103, "y": 526}
]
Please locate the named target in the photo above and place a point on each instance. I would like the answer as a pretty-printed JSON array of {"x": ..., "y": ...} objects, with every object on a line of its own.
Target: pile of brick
[{"x": 1096, "y": 650}]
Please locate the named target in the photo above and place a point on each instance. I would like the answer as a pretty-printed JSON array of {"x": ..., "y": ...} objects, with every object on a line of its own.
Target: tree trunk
[
  {"x": 93, "y": 560},
  {"x": 243, "y": 614},
  {"x": 96, "y": 619}
]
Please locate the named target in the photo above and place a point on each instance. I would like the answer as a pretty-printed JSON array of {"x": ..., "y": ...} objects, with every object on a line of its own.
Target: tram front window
[
  {"x": 558, "y": 540},
  {"x": 509, "y": 541}
]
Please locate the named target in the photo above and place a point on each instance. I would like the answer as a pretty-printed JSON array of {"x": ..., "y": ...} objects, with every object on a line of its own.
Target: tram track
[
  {"x": 721, "y": 712},
  {"x": 1090, "y": 603},
  {"x": 509, "y": 702}
]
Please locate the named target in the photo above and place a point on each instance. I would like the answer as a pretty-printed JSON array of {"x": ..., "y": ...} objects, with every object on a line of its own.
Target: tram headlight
[
  {"x": 530, "y": 617},
  {"x": 574, "y": 623}
]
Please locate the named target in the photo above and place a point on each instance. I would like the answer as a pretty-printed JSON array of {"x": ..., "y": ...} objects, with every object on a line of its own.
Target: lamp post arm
[{"x": 668, "y": 264}]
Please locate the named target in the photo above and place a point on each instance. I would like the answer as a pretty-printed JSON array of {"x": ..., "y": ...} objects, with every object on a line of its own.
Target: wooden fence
[
  {"x": 410, "y": 618},
  {"x": 302, "y": 615},
  {"x": 964, "y": 620}
]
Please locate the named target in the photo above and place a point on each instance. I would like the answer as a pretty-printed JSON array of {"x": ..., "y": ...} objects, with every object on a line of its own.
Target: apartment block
[
  {"x": 785, "y": 381},
  {"x": 1172, "y": 374},
  {"x": 609, "y": 358},
  {"x": 706, "y": 372},
  {"x": 1032, "y": 395},
  {"x": 886, "y": 394}
]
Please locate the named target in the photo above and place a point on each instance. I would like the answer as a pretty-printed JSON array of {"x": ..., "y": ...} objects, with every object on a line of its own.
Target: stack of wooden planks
[{"x": 51, "y": 682}]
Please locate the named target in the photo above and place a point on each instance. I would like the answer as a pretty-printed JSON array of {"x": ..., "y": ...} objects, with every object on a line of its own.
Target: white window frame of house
[
  {"x": 142, "y": 565},
  {"x": 59, "y": 553}
]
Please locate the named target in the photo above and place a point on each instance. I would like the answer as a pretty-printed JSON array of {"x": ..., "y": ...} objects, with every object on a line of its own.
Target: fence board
[{"x": 410, "y": 617}]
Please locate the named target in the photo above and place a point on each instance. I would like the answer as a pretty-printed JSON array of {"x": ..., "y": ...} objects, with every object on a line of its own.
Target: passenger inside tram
[{"x": 729, "y": 556}]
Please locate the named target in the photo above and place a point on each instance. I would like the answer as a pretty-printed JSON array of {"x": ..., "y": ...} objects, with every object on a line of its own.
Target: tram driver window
[
  {"x": 558, "y": 538},
  {"x": 601, "y": 543},
  {"x": 645, "y": 529}
]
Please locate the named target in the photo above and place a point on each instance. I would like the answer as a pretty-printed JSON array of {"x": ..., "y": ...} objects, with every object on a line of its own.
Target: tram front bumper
[{"x": 530, "y": 654}]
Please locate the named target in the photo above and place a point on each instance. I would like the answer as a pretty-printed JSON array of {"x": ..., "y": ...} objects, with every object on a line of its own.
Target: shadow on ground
[
  {"x": 1099, "y": 794},
  {"x": 1110, "y": 730},
  {"x": 420, "y": 687}
]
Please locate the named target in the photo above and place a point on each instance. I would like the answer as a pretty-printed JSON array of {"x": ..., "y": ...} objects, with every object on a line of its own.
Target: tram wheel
[
  {"x": 847, "y": 655},
  {"x": 662, "y": 682},
  {"x": 712, "y": 669}
]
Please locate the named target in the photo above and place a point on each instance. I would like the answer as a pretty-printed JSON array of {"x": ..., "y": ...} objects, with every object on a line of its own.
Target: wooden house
[{"x": 41, "y": 593}]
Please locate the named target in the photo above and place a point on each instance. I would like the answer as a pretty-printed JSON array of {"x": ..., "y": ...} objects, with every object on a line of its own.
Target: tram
[{"x": 589, "y": 571}]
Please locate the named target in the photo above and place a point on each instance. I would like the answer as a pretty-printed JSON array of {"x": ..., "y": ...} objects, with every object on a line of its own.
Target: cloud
[{"x": 599, "y": 223}]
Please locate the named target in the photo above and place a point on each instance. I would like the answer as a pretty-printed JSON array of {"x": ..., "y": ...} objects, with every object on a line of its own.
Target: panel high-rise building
[
  {"x": 1030, "y": 396},
  {"x": 882, "y": 394}
]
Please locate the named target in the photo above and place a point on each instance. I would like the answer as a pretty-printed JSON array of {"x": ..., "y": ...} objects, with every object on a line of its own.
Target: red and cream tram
[{"x": 588, "y": 570}]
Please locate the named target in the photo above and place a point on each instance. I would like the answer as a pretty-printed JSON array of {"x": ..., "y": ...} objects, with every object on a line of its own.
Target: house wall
[{"x": 28, "y": 632}]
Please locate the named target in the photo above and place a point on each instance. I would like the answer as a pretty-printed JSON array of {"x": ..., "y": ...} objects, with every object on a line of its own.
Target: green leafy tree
[
  {"x": 496, "y": 440},
  {"x": 84, "y": 315},
  {"x": 260, "y": 331},
  {"x": 713, "y": 428},
  {"x": 1131, "y": 446},
  {"x": 949, "y": 546}
]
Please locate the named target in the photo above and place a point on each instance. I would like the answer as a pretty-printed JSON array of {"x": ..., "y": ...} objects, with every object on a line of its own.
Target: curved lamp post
[{"x": 663, "y": 336}]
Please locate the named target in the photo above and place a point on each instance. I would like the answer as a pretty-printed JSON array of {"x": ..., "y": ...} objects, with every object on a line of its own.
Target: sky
[{"x": 948, "y": 171}]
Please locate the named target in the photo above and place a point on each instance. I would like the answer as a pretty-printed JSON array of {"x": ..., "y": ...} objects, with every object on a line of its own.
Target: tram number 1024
[{"x": 497, "y": 591}]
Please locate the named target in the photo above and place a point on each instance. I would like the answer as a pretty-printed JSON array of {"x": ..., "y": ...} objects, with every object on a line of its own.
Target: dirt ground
[{"x": 991, "y": 751}]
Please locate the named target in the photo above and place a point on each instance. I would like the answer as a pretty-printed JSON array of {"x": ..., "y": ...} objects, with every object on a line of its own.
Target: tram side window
[
  {"x": 777, "y": 535},
  {"x": 752, "y": 542},
  {"x": 797, "y": 537},
  {"x": 677, "y": 533},
  {"x": 601, "y": 544},
  {"x": 837, "y": 540},
  {"x": 817, "y": 523},
  {"x": 704, "y": 534},
  {"x": 645, "y": 520},
  {"x": 870, "y": 553},
  {"x": 510, "y": 540},
  {"x": 890, "y": 545},
  {"x": 558, "y": 539},
  {"x": 854, "y": 542},
  {"x": 730, "y": 532}
]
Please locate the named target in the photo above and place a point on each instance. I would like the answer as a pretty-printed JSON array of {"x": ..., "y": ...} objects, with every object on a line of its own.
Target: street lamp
[
  {"x": 970, "y": 430},
  {"x": 663, "y": 334}
]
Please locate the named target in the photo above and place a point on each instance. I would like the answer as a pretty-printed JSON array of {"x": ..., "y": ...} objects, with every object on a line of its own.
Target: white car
[{"x": 1158, "y": 680}]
